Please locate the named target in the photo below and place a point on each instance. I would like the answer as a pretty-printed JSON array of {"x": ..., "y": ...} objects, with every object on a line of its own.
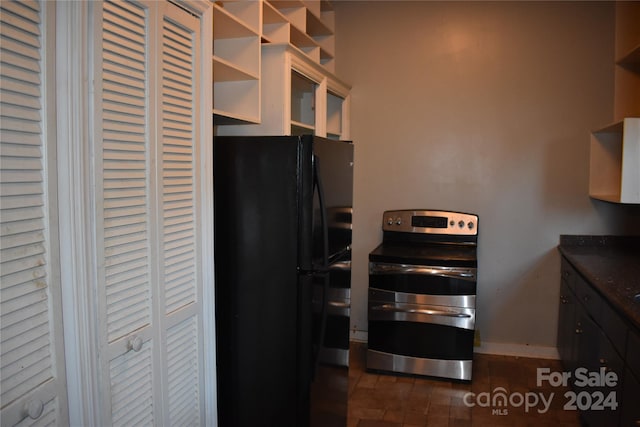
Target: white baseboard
[
  {"x": 501, "y": 349},
  {"x": 518, "y": 350},
  {"x": 359, "y": 336}
]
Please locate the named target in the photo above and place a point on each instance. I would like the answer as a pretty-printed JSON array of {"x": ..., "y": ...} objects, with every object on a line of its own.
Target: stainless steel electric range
[{"x": 422, "y": 294}]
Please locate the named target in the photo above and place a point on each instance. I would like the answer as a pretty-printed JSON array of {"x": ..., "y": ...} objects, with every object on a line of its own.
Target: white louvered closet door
[
  {"x": 32, "y": 382},
  {"x": 150, "y": 286}
]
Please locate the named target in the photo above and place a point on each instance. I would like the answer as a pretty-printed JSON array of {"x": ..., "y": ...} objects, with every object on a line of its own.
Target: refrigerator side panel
[
  {"x": 256, "y": 209},
  {"x": 332, "y": 297},
  {"x": 334, "y": 160}
]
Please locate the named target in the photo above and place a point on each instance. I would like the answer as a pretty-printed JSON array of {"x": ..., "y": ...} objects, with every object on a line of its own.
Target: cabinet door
[
  {"x": 630, "y": 409},
  {"x": 32, "y": 379},
  {"x": 609, "y": 360},
  {"x": 595, "y": 352},
  {"x": 567, "y": 327},
  {"x": 149, "y": 285},
  {"x": 304, "y": 94}
]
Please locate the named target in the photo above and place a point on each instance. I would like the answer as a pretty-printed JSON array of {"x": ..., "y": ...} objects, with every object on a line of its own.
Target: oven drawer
[
  {"x": 419, "y": 279},
  {"x": 424, "y": 340}
]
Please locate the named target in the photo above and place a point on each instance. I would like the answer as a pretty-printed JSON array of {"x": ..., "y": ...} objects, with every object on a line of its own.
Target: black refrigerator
[{"x": 283, "y": 209}]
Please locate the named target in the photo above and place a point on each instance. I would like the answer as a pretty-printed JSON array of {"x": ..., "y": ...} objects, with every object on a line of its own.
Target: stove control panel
[{"x": 430, "y": 222}]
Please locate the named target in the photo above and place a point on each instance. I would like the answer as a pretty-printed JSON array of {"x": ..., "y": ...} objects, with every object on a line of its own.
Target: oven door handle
[
  {"x": 430, "y": 312},
  {"x": 451, "y": 272},
  {"x": 341, "y": 266},
  {"x": 457, "y": 318}
]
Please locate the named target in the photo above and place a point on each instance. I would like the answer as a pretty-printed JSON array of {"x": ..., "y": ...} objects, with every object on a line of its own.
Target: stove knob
[
  {"x": 390, "y": 221},
  {"x": 452, "y": 223},
  {"x": 470, "y": 225},
  {"x": 461, "y": 223},
  {"x": 399, "y": 221}
]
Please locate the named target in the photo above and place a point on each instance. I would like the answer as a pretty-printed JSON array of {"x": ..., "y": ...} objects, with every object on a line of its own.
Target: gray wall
[{"x": 485, "y": 108}]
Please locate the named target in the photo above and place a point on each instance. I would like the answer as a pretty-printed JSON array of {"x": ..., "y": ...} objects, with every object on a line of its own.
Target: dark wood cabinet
[
  {"x": 594, "y": 338},
  {"x": 631, "y": 382}
]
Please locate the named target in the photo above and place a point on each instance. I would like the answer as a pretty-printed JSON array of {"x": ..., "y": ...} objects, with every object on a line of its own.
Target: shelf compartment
[
  {"x": 247, "y": 13},
  {"x": 225, "y": 71},
  {"x": 297, "y": 16},
  {"x": 238, "y": 100},
  {"x": 241, "y": 53},
  {"x": 236, "y": 61},
  {"x": 303, "y": 100},
  {"x": 614, "y": 174},
  {"x": 313, "y": 6},
  {"x": 275, "y": 27},
  {"x": 228, "y": 26},
  {"x": 316, "y": 26},
  {"x": 298, "y": 128}
]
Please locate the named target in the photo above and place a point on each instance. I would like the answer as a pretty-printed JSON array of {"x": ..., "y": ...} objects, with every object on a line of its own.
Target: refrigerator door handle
[{"x": 317, "y": 182}]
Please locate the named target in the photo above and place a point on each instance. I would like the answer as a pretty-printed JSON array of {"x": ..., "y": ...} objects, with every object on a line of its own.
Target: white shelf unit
[
  {"x": 305, "y": 29},
  {"x": 299, "y": 96},
  {"x": 615, "y": 162},
  {"x": 236, "y": 61},
  {"x": 311, "y": 26}
]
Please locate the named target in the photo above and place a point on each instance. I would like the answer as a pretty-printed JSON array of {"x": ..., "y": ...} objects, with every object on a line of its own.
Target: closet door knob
[
  {"x": 135, "y": 343},
  {"x": 33, "y": 408}
]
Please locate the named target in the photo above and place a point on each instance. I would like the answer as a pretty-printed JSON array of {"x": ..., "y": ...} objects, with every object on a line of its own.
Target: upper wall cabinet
[
  {"x": 615, "y": 149},
  {"x": 307, "y": 25},
  {"x": 298, "y": 97},
  {"x": 615, "y": 162},
  {"x": 296, "y": 31}
]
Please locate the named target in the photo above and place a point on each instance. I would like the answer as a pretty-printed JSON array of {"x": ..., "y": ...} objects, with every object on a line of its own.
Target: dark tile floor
[{"x": 382, "y": 400}]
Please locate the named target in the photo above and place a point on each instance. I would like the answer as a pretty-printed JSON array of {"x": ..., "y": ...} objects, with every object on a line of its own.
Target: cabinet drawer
[
  {"x": 633, "y": 352},
  {"x": 589, "y": 298},
  {"x": 615, "y": 328}
]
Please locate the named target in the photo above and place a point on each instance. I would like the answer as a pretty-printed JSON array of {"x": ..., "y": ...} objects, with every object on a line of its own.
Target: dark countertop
[{"x": 612, "y": 265}]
